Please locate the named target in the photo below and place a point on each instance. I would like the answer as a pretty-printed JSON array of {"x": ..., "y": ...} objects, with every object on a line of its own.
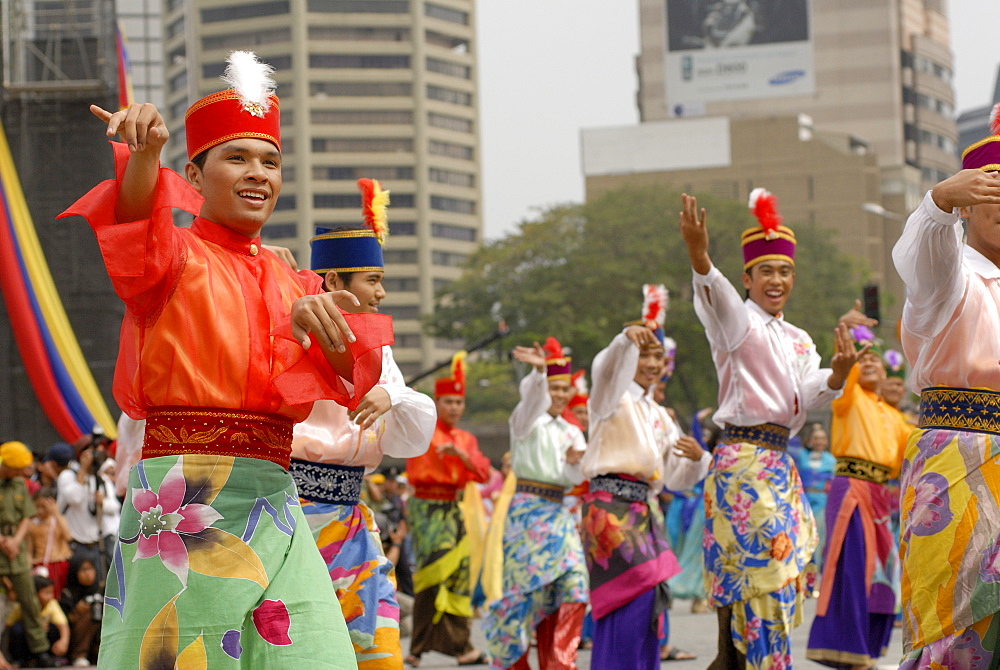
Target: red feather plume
[
  {"x": 995, "y": 119},
  {"x": 552, "y": 348},
  {"x": 764, "y": 206}
]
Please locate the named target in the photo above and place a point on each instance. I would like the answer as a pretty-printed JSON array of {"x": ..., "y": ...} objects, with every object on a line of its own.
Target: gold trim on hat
[
  {"x": 758, "y": 233},
  {"x": 218, "y": 96},
  {"x": 371, "y": 268},
  {"x": 976, "y": 145},
  {"x": 340, "y": 234},
  {"x": 235, "y": 136},
  {"x": 768, "y": 257}
]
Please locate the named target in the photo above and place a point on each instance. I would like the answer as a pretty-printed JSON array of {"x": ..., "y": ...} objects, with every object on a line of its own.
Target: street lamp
[{"x": 879, "y": 210}]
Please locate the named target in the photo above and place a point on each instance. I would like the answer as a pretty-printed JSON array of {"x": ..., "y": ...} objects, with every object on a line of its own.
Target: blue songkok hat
[{"x": 354, "y": 249}]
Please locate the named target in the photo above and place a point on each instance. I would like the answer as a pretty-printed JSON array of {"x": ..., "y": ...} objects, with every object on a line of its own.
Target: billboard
[{"x": 736, "y": 49}]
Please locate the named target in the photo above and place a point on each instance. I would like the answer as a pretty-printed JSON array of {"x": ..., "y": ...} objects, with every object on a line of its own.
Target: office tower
[
  {"x": 369, "y": 88},
  {"x": 878, "y": 75}
]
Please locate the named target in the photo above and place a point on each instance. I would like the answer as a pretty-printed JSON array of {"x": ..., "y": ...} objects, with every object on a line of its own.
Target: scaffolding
[{"x": 57, "y": 47}]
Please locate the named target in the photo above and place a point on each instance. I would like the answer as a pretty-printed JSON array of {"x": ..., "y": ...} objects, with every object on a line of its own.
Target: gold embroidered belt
[
  {"x": 552, "y": 492},
  {"x": 176, "y": 431},
  {"x": 858, "y": 468},
  {"x": 435, "y": 492},
  {"x": 765, "y": 435},
  {"x": 976, "y": 410}
]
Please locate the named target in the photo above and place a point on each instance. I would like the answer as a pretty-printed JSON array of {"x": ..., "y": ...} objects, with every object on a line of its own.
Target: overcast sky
[{"x": 551, "y": 67}]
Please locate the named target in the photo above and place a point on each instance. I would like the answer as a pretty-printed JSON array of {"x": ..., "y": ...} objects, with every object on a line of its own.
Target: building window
[
  {"x": 411, "y": 340},
  {"x": 243, "y": 40},
  {"x": 450, "y": 150},
  {"x": 385, "y": 89},
  {"x": 287, "y": 173},
  {"x": 441, "y": 285},
  {"x": 449, "y": 95},
  {"x": 362, "y": 144},
  {"x": 285, "y": 202},
  {"x": 279, "y": 231},
  {"x": 360, "y": 61},
  {"x": 360, "y": 6},
  {"x": 215, "y": 70},
  {"x": 456, "y": 205},
  {"x": 452, "y": 177},
  {"x": 400, "y": 256},
  {"x": 352, "y": 200},
  {"x": 408, "y": 312},
  {"x": 448, "y": 68},
  {"x": 362, "y": 116},
  {"x": 400, "y": 283},
  {"x": 358, "y": 34},
  {"x": 179, "y": 81},
  {"x": 446, "y": 14},
  {"x": 246, "y": 10},
  {"x": 459, "y": 45},
  {"x": 449, "y": 122},
  {"x": 403, "y": 228},
  {"x": 447, "y": 258},
  {"x": 175, "y": 28},
  {"x": 343, "y": 173},
  {"x": 449, "y": 232}
]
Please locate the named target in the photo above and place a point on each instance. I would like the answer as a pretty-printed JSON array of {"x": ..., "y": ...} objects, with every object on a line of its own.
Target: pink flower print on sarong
[
  {"x": 932, "y": 442},
  {"x": 726, "y": 457},
  {"x": 989, "y": 566},
  {"x": 780, "y": 661},
  {"x": 272, "y": 622},
  {"x": 771, "y": 463},
  {"x": 178, "y": 530},
  {"x": 961, "y": 650},
  {"x": 930, "y": 512},
  {"x": 752, "y": 632},
  {"x": 741, "y": 512}
]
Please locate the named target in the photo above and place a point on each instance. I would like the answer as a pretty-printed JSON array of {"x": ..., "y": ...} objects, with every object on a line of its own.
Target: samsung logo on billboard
[{"x": 786, "y": 77}]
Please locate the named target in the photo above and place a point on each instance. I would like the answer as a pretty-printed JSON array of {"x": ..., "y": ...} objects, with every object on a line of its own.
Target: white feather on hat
[{"x": 252, "y": 81}]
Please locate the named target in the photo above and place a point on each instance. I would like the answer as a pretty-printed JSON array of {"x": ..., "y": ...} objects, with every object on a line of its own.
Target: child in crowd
[
  {"x": 50, "y": 536},
  {"x": 53, "y": 618}
]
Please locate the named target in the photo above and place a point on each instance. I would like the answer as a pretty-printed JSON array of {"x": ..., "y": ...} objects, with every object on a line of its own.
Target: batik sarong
[
  {"x": 685, "y": 530},
  {"x": 950, "y": 544},
  {"x": 216, "y": 568},
  {"x": 543, "y": 567},
  {"x": 759, "y": 536},
  {"x": 626, "y": 548},
  {"x": 442, "y": 605},
  {"x": 363, "y": 578},
  {"x": 857, "y": 603}
]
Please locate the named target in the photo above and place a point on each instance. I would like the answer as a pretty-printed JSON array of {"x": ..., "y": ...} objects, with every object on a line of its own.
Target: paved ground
[{"x": 692, "y": 632}]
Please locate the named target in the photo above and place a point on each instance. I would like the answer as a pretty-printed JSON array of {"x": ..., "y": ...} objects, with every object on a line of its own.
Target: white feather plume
[{"x": 250, "y": 78}]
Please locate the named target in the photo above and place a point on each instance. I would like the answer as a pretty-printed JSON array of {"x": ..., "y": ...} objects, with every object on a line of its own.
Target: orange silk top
[
  {"x": 437, "y": 469},
  {"x": 865, "y": 426},
  {"x": 201, "y": 307}
]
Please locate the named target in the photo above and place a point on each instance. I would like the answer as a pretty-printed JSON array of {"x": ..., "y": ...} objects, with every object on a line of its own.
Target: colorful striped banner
[{"x": 63, "y": 384}]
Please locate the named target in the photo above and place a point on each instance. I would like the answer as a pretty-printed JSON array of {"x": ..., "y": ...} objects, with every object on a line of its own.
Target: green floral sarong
[{"x": 216, "y": 568}]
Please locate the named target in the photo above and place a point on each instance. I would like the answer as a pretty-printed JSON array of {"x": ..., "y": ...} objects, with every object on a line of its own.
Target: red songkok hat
[
  {"x": 580, "y": 386},
  {"x": 455, "y": 384},
  {"x": 557, "y": 365},
  {"x": 248, "y": 108},
  {"x": 985, "y": 154},
  {"x": 770, "y": 241}
]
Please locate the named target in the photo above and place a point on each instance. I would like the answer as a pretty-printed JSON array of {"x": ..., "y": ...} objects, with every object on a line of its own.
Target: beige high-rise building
[
  {"x": 879, "y": 72},
  {"x": 385, "y": 89}
]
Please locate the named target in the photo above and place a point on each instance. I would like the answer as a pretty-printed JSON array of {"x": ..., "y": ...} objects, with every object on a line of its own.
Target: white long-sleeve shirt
[
  {"x": 538, "y": 440},
  {"x": 329, "y": 436},
  {"x": 76, "y": 502},
  {"x": 768, "y": 369},
  {"x": 952, "y": 312},
  {"x": 630, "y": 434}
]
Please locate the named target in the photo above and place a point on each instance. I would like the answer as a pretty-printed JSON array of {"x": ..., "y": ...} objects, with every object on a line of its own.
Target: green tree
[{"x": 577, "y": 274}]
